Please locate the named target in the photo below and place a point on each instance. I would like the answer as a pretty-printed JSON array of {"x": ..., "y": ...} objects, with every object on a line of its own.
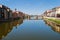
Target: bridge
[{"x": 34, "y": 17}]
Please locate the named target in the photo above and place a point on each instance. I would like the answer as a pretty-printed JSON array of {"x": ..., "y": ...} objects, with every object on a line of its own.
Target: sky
[{"x": 31, "y": 7}]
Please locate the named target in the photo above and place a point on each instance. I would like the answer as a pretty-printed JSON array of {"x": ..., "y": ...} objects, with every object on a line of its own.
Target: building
[
  {"x": 49, "y": 13},
  {"x": 15, "y": 14},
  {"x": 18, "y": 14},
  {"x": 21, "y": 15},
  {"x": 5, "y": 12},
  {"x": 56, "y": 11}
]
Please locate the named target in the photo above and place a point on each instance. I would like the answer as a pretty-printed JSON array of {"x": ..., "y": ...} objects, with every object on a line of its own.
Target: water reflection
[
  {"x": 7, "y": 27},
  {"x": 55, "y": 27}
]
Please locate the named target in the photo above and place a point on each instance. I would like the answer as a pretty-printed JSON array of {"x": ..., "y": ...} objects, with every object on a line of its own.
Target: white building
[{"x": 56, "y": 11}]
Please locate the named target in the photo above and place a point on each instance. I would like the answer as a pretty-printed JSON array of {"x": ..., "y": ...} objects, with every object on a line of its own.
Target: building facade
[
  {"x": 54, "y": 12},
  {"x": 5, "y": 12}
]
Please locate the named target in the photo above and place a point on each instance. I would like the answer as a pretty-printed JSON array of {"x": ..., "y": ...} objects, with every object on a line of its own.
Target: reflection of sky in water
[{"x": 32, "y": 30}]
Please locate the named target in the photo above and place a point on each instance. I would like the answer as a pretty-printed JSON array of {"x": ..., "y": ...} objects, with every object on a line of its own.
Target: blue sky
[{"x": 34, "y": 7}]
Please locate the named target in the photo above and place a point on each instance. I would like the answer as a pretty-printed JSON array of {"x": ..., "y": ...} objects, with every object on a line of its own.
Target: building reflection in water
[
  {"x": 55, "y": 27},
  {"x": 7, "y": 27}
]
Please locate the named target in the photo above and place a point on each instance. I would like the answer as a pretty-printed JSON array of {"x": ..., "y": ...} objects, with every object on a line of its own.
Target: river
[{"x": 28, "y": 30}]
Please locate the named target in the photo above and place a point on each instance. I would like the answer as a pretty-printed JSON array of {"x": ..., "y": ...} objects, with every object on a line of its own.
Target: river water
[{"x": 28, "y": 30}]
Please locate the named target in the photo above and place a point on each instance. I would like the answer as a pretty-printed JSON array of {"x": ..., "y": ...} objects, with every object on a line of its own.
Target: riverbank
[
  {"x": 54, "y": 20},
  {"x": 53, "y": 25}
]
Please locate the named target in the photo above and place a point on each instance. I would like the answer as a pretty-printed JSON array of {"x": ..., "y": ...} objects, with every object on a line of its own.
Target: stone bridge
[{"x": 34, "y": 17}]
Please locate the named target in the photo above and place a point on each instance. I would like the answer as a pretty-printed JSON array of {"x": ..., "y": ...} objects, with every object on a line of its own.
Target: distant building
[
  {"x": 18, "y": 14},
  {"x": 49, "y": 13}
]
